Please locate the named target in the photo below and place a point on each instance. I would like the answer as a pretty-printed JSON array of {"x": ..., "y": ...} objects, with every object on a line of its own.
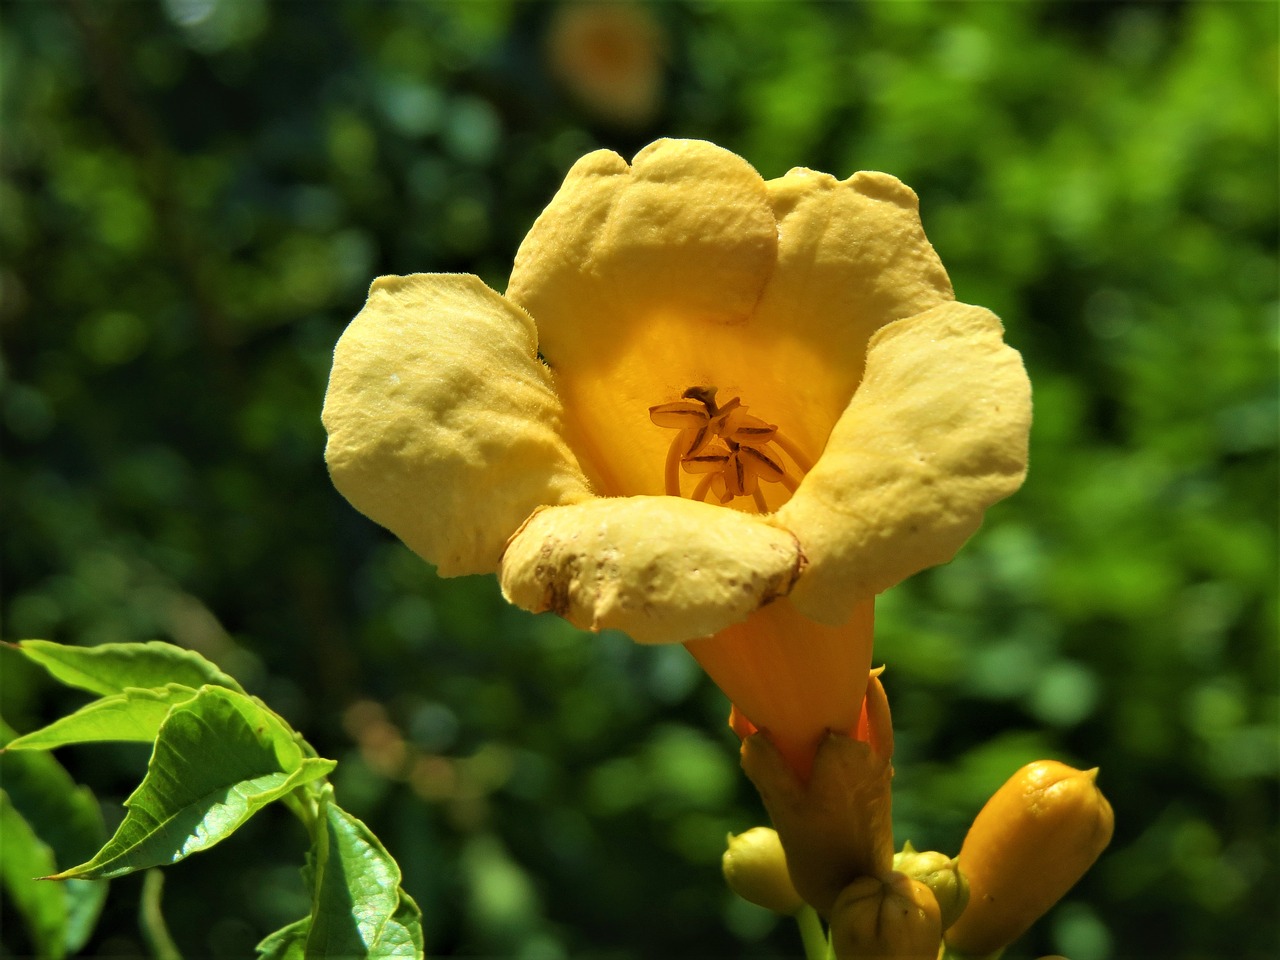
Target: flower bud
[
  {"x": 1033, "y": 840},
  {"x": 756, "y": 870},
  {"x": 941, "y": 874},
  {"x": 892, "y": 917}
]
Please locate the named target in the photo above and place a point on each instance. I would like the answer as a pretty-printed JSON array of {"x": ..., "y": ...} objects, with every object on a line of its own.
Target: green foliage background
[{"x": 195, "y": 196}]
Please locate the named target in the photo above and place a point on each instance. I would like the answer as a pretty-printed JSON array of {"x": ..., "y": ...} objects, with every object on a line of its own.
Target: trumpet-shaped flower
[{"x": 708, "y": 409}]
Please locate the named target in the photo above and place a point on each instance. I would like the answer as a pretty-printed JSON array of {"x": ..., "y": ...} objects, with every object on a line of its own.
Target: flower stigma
[{"x": 730, "y": 449}]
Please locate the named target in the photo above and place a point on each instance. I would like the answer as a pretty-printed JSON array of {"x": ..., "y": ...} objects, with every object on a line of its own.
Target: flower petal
[
  {"x": 852, "y": 256},
  {"x": 641, "y": 279},
  {"x": 663, "y": 569},
  {"x": 936, "y": 433},
  {"x": 443, "y": 425}
]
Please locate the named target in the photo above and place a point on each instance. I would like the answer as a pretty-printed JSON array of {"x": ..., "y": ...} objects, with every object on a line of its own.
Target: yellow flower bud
[
  {"x": 1033, "y": 840},
  {"x": 941, "y": 874},
  {"x": 892, "y": 917},
  {"x": 756, "y": 870}
]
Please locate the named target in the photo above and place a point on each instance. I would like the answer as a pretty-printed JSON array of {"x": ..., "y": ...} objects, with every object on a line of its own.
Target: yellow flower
[{"x": 709, "y": 408}]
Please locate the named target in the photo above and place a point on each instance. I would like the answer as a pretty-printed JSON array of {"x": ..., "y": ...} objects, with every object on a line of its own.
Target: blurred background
[{"x": 195, "y": 197}]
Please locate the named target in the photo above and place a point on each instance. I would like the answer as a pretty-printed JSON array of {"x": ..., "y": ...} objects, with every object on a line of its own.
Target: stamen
[
  {"x": 795, "y": 453},
  {"x": 742, "y": 427},
  {"x": 696, "y": 439},
  {"x": 671, "y": 474},
  {"x": 681, "y": 414},
  {"x": 768, "y": 468},
  {"x": 700, "y": 491},
  {"x": 713, "y": 461},
  {"x": 727, "y": 446},
  {"x": 722, "y": 414},
  {"x": 734, "y": 475}
]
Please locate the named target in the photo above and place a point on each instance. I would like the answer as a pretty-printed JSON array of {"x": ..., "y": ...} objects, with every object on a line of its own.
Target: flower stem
[{"x": 812, "y": 934}]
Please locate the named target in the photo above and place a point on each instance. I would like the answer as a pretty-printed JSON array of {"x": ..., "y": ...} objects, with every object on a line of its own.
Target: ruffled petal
[
  {"x": 642, "y": 280},
  {"x": 852, "y": 257},
  {"x": 443, "y": 425},
  {"x": 663, "y": 569},
  {"x": 936, "y": 433}
]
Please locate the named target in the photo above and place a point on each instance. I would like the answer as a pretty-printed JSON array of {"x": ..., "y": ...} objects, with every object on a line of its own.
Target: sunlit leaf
[
  {"x": 358, "y": 908},
  {"x": 403, "y": 936},
  {"x": 134, "y": 715},
  {"x": 111, "y": 668},
  {"x": 219, "y": 759}
]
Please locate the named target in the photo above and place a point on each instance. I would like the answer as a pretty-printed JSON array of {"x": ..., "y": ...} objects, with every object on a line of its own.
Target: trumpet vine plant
[{"x": 709, "y": 409}]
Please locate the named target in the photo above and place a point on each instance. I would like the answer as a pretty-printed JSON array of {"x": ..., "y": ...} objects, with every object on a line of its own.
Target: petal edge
[
  {"x": 436, "y": 390},
  {"x": 662, "y": 569},
  {"x": 935, "y": 434}
]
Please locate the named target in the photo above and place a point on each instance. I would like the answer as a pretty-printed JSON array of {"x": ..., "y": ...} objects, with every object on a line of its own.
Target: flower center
[{"x": 730, "y": 450}]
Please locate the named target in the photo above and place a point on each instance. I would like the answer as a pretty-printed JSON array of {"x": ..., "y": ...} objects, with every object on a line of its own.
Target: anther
[{"x": 726, "y": 446}]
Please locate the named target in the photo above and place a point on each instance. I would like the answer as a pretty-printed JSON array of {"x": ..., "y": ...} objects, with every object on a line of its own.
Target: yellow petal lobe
[
  {"x": 642, "y": 278},
  {"x": 936, "y": 433},
  {"x": 663, "y": 569},
  {"x": 852, "y": 257},
  {"x": 443, "y": 424}
]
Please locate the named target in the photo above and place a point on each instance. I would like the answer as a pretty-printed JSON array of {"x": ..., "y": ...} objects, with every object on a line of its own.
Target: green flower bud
[
  {"x": 941, "y": 874},
  {"x": 756, "y": 870},
  {"x": 887, "y": 918}
]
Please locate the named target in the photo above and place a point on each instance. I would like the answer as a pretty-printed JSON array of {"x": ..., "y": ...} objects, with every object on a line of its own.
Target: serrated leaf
[
  {"x": 134, "y": 715},
  {"x": 219, "y": 759},
  {"x": 65, "y": 818},
  {"x": 358, "y": 908},
  {"x": 287, "y": 943},
  {"x": 111, "y": 668},
  {"x": 42, "y": 906}
]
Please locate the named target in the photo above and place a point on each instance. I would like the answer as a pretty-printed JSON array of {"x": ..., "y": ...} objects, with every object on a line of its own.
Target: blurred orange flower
[{"x": 609, "y": 57}]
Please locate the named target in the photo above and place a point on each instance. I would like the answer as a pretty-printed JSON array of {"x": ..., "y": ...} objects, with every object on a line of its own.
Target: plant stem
[
  {"x": 812, "y": 934},
  {"x": 151, "y": 920}
]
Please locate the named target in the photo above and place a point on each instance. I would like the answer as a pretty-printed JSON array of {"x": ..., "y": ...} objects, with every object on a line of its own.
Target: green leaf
[
  {"x": 134, "y": 715},
  {"x": 63, "y": 818},
  {"x": 358, "y": 908},
  {"x": 219, "y": 759},
  {"x": 111, "y": 668},
  {"x": 42, "y": 906},
  {"x": 287, "y": 943},
  {"x": 402, "y": 936}
]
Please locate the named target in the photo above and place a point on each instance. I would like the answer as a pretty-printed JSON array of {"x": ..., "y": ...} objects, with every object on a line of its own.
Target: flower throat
[{"x": 731, "y": 450}]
